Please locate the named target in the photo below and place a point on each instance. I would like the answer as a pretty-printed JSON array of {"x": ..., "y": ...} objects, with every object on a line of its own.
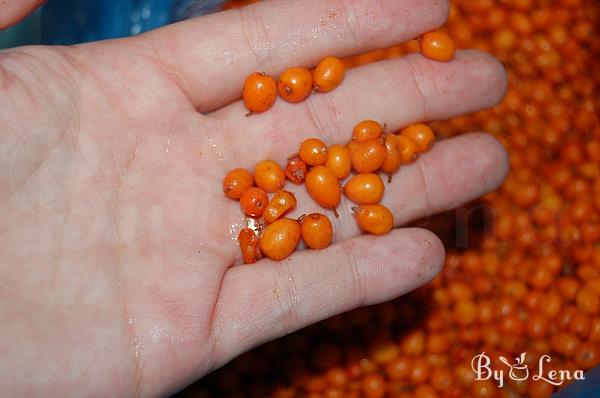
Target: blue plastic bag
[{"x": 78, "y": 21}]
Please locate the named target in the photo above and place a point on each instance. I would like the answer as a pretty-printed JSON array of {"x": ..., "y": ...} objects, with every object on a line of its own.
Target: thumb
[
  {"x": 12, "y": 11},
  {"x": 264, "y": 301}
]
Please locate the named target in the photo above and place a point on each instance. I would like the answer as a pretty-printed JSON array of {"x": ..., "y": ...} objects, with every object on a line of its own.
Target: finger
[
  {"x": 396, "y": 92},
  {"x": 270, "y": 299},
  {"x": 211, "y": 56},
  {"x": 454, "y": 172},
  {"x": 14, "y": 11}
]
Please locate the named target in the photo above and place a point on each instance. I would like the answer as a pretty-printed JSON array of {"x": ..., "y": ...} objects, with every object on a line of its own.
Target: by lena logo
[{"x": 519, "y": 370}]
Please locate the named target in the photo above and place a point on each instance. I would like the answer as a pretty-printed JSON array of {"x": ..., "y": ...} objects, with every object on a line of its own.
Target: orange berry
[
  {"x": 365, "y": 188},
  {"x": 441, "y": 379},
  {"x": 564, "y": 343},
  {"x": 337, "y": 377},
  {"x": 236, "y": 182},
  {"x": 587, "y": 301},
  {"x": 338, "y": 161},
  {"x": 421, "y": 133},
  {"x": 393, "y": 158},
  {"x": 366, "y": 130},
  {"x": 413, "y": 343},
  {"x": 281, "y": 203},
  {"x": 260, "y": 92},
  {"x": 313, "y": 152},
  {"x": 280, "y": 238},
  {"x": 425, "y": 391},
  {"x": 295, "y": 170},
  {"x": 409, "y": 149},
  {"x": 269, "y": 176},
  {"x": 464, "y": 312},
  {"x": 374, "y": 219},
  {"x": 539, "y": 389},
  {"x": 368, "y": 156},
  {"x": 295, "y": 84},
  {"x": 329, "y": 74},
  {"x": 587, "y": 355},
  {"x": 437, "y": 343},
  {"x": 419, "y": 372},
  {"x": 384, "y": 352},
  {"x": 323, "y": 186},
  {"x": 249, "y": 245},
  {"x": 317, "y": 230},
  {"x": 373, "y": 386},
  {"x": 484, "y": 389},
  {"x": 437, "y": 45},
  {"x": 254, "y": 201},
  {"x": 398, "y": 368},
  {"x": 536, "y": 326}
]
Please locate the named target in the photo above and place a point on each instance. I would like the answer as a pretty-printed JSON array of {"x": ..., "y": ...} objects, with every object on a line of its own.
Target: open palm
[{"x": 116, "y": 241}]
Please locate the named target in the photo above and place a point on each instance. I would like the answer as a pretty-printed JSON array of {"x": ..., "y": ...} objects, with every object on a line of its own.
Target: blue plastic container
[{"x": 79, "y": 21}]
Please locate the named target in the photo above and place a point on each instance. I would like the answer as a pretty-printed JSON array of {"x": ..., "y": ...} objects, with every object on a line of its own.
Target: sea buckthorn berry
[
  {"x": 249, "y": 246},
  {"x": 337, "y": 377},
  {"x": 419, "y": 371},
  {"x": 313, "y": 152},
  {"x": 384, "y": 351},
  {"x": 588, "y": 301},
  {"x": 280, "y": 238},
  {"x": 281, "y": 203},
  {"x": 338, "y": 161},
  {"x": 365, "y": 189},
  {"x": 295, "y": 84},
  {"x": 317, "y": 230},
  {"x": 329, "y": 74},
  {"x": 269, "y": 176},
  {"x": 425, "y": 391},
  {"x": 398, "y": 368},
  {"x": 373, "y": 386},
  {"x": 260, "y": 92},
  {"x": 374, "y": 219},
  {"x": 484, "y": 389},
  {"x": 539, "y": 389},
  {"x": 437, "y": 45},
  {"x": 393, "y": 157},
  {"x": 441, "y": 379},
  {"x": 323, "y": 186},
  {"x": 236, "y": 182},
  {"x": 295, "y": 170},
  {"x": 367, "y": 130},
  {"x": 587, "y": 356},
  {"x": 413, "y": 343},
  {"x": 254, "y": 201},
  {"x": 421, "y": 133},
  {"x": 409, "y": 149},
  {"x": 368, "y": 156}
]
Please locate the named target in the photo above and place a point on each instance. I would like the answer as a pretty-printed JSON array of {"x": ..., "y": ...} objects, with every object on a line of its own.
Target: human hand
[{"x": 116, "y": 241}]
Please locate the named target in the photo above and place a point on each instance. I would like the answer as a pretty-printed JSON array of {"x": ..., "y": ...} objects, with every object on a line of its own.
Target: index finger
[{"x": 211, "y": 56}]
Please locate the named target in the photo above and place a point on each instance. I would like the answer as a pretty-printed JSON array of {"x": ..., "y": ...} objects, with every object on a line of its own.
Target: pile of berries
[{"x": 322, "y": 169}]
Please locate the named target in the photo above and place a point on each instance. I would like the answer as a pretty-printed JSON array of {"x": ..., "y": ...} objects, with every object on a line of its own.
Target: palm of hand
[
  {"x": 125, "y": 245},
  {"x": 116, "y": 239}
]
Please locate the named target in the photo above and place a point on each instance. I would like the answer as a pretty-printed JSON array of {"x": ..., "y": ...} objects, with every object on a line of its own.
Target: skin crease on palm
[{"x": 116, "y": 241}]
